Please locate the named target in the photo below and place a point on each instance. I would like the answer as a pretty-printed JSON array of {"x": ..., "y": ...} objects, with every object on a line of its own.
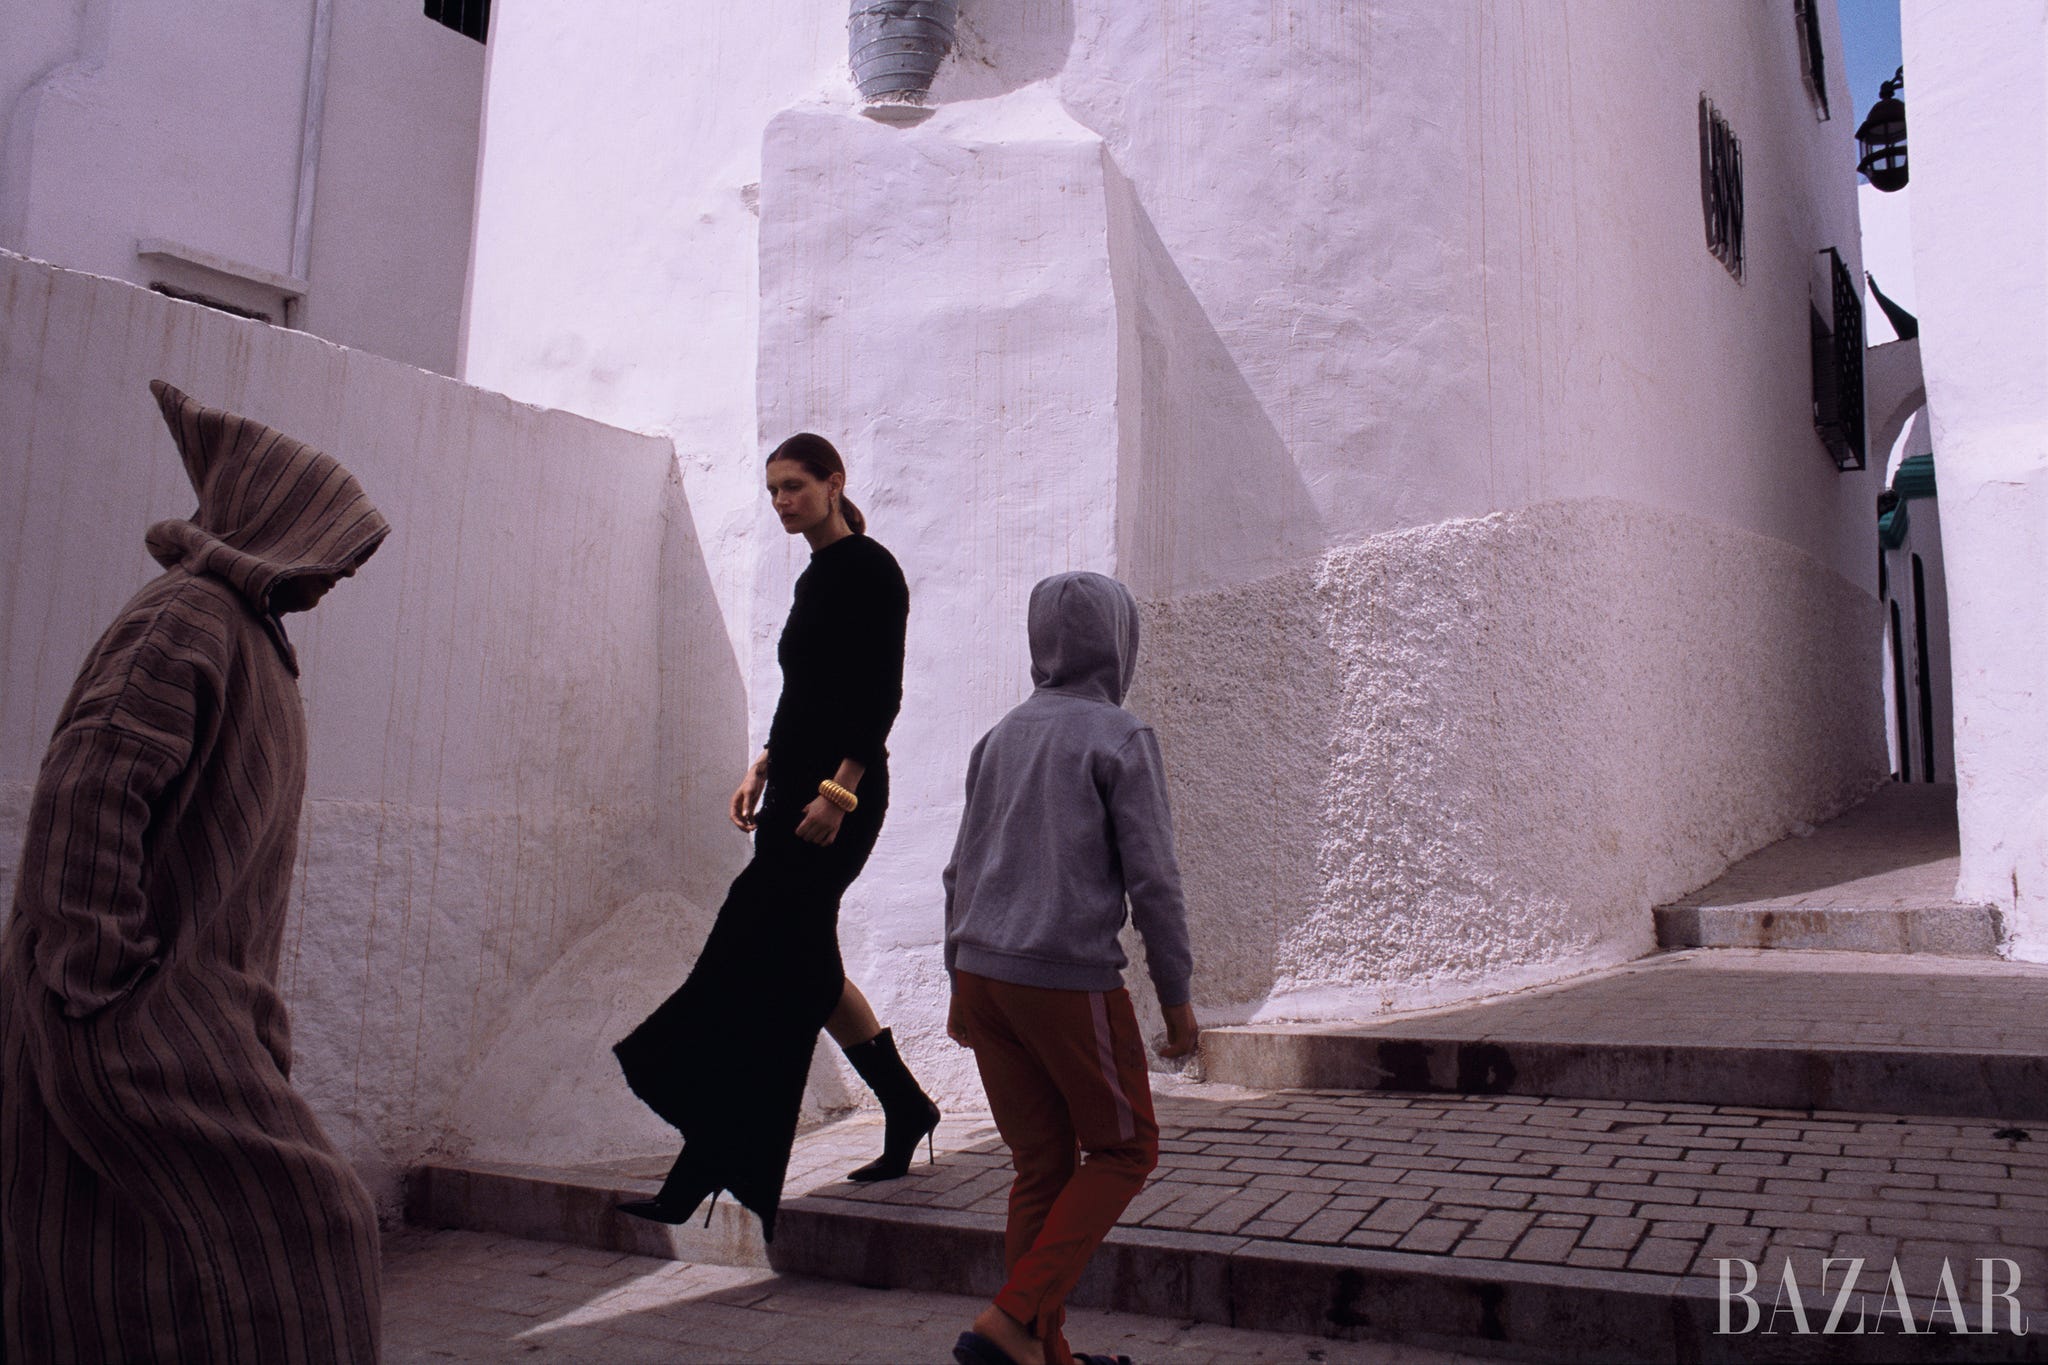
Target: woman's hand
[
  {"x": 956, "y": 1023},
  {"x": 820, "y": 824},
  {"x": 744, "y": 800}
]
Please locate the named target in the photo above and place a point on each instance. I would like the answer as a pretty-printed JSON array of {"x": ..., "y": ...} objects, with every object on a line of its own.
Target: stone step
[
  {"x": 1535, "y": 1229},
  {"x": 1855, "y": 1031},
  {"x": 1944, "y": 927},
  {"x": 1879, "y": 878}
]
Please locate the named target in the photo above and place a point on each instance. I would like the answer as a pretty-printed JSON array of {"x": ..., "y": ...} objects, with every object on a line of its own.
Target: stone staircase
[{"x": 1558, "y": 1174}]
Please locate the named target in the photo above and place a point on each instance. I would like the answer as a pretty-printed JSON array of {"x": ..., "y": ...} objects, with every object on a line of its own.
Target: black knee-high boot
[{"x": 909, "y": 1113}]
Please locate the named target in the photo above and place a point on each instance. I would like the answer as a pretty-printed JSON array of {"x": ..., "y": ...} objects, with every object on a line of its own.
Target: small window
[
  {"x": 1721, "y": 187},
  {"x": 1838, "y": 363},
  {"x": 470, "y": 18},
  {"x": 171, "y": 291},
  {"x": 1813, "y": 57}
]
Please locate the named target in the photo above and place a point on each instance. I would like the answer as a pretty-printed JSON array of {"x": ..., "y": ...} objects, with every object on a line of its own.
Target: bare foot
[{"x": 1011, "y": 1335}]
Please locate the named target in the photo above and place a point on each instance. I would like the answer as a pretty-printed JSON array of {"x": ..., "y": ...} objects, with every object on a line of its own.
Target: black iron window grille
[
  {"x": 1721, "y": 187},
  {"x": 1838, "y": 367},
  {"x": 1813, "y": 56},
  {"x": 470, "y": 18}
]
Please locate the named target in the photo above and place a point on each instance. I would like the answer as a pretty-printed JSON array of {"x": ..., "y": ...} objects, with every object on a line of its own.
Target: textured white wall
[
  {"x": 522, "y": 711},
  {"x": 182, "y": 120},
  {"x": 1979, "y": 116},
  {"x": 1471, "y": 756}
]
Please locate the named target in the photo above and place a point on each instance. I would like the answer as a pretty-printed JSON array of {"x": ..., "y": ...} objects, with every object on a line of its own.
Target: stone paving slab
[
  {"x": 1897, "y": 847},
  {"x": 1741, "y": 1026},
  {"x": 1487, "y": 1223},
  {"x": 464, "y": 1298},
  {"x": 1880, "y": 878}
]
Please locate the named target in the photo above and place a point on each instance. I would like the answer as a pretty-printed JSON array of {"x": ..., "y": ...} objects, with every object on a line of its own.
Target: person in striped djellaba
[{"x": 165, "y": 1195}]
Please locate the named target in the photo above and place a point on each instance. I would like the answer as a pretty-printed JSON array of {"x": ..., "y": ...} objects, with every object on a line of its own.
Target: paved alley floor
[{"x": 474, "y": 1297}]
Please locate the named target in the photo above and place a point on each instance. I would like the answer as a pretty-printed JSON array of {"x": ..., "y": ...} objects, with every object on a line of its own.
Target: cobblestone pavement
[
  {"x": 1617, "y": 1185},
  {"x": 1733, "y": 997},
  {"x": 452, "y": 1298}
]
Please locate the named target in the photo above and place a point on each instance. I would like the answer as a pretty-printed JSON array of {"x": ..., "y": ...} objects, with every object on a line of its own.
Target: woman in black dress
[{"x": 724, "y": 1058}]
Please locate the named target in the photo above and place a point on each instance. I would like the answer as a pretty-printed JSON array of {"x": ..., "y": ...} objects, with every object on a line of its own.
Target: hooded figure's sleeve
[
  {"x": 1143, "y": 827},
  {"x": 82, "y": 864},
  {"x": 950, "y": 878}
]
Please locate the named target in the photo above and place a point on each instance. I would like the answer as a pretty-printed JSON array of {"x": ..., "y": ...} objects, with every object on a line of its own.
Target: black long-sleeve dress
[{"x": 724, "y": 1059}]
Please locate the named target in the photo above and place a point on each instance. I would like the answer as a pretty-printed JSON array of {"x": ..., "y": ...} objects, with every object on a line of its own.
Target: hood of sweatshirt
[
  {"x": 1084, "y": 636},
  {"x": 270, "y": 508}
]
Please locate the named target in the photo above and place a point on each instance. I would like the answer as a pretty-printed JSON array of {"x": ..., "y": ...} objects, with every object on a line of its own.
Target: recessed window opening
[
  {"x": 1837, "y": 352},
  {"x": 1898, "y": 651},
  {"x": 1721, "y": 187},
  {"x": 1813, "y": 59},
  {"x": 470, "y": 18},
  {"x": 172, "y": 291},
  {"x": 1923, "y": 679}
]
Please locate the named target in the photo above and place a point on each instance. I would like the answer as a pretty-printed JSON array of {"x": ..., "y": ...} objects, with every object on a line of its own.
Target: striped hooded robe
[{"x": 165, "y": 1195}]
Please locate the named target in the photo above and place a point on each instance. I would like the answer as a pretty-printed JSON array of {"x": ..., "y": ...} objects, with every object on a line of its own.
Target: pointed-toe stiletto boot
[
  {"x": 681, "y": 1192},
  {"x": 909, "y": 1113}
]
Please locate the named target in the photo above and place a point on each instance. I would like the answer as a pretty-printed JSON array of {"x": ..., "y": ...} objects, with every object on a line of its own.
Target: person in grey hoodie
[{"x": 1066, "y": 820}]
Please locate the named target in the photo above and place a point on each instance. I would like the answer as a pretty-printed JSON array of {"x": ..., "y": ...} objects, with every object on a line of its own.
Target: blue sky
[{"x": 1870, "y": 42}]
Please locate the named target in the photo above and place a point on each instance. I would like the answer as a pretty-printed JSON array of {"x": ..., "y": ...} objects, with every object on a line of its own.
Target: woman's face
[{"x": 802, "y": 500}]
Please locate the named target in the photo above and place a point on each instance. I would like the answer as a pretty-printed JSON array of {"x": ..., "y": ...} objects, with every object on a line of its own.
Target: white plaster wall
[
  {"x": 1452, "y": 255},
  {"x": 1473, "y": 756},
  {"x": 395, "y": 208},
  {"x": 182, "y": 120},
  {"x": 1256, "y": 283},
  {"x": 615, "y": 260},
  {"x": 939, "y": 301},
  {"x": 512, "y": 709},
  {"x": 1979, "y": 115}
]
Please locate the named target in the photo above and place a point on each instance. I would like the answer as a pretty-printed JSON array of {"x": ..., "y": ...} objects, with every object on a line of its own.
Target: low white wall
[
  {"x": 1475, "y": 755},
  {"x": 523, "y": 711}
]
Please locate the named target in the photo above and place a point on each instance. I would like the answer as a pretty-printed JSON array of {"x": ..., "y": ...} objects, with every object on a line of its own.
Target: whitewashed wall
[
  {"x": 1281, "y": 291},
  {"x": 522, "y": 711},
  {"x": 1978, "y": 96},
  {"x": 182, "y": 120}
]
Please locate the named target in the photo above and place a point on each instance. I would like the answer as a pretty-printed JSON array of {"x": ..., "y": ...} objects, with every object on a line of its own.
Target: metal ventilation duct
[{"x": 897, "y": 45}]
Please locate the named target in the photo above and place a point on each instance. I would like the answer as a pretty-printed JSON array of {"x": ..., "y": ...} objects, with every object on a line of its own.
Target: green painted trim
[
  {"x": 1891, "y": 528},
  {"x": 1915, "y": 478}
]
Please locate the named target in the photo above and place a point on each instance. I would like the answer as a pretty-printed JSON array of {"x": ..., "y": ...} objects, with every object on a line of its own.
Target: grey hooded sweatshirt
[{"x": 1066, "y": 815}]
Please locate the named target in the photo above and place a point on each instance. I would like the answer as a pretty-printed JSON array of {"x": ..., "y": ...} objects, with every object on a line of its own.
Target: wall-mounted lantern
[{"x": 1882, "y": 137}]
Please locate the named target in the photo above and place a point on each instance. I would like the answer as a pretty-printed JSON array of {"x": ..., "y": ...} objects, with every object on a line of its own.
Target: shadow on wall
[
  {"x": 1207, "y": 491},
  {"x": 703, "y": 707},
  {"x": 1004, "y": 45}
]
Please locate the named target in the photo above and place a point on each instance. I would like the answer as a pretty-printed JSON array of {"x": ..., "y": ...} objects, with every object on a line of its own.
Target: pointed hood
[
  {"x": 270, "y": 507},
  {"x": 1084, "y": 636}
]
